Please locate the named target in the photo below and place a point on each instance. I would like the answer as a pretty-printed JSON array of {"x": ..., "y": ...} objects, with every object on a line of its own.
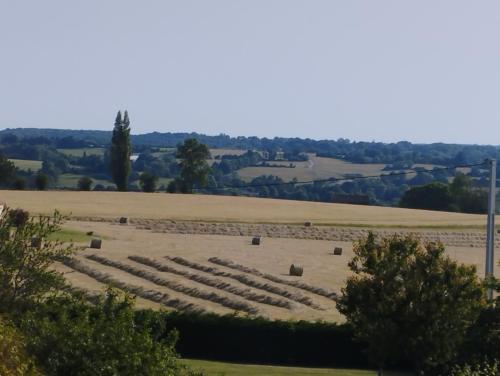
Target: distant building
[{"x": 344, "y": 198}]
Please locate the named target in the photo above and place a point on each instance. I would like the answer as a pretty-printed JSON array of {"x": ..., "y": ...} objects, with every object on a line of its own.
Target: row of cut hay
[
  {"x": 153, "y": 295},
  {"x": 216, "y": 283},
  {"x": 300, "y": 285},
  {"x": 175, "y": 286},
  {"x": 247, "y": 281}
]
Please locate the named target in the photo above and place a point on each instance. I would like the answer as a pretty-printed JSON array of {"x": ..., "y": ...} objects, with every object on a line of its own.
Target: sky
[{"x": 423, "y": 71}]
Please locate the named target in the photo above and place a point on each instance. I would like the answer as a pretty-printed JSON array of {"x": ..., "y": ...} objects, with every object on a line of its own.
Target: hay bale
[
  {"x": 296, "y": 270},
  {"x": 96, "y": 243},
  {"x": 123, "y": 220},
  {"x": 36, "y": 242},
  {"x": 337, "y": 251},
  {"x": 256, "y": 240},
  {"x": 308, "y": 224}
]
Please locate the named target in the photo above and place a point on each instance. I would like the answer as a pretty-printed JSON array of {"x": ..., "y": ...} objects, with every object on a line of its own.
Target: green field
[
  {"x": 79, "y": 152},
  {"x": 70, "y": 235},
  {"x": 229, "y": 369},
  {"x": 25, "y": 164}
]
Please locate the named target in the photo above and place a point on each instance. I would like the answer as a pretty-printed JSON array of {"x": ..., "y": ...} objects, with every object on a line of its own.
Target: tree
[
  {"x": 68, "y": 337},
  {"x": 7, "y": 170},
  {"x": 19, "y": 183},
  {"x": 433, "y": 196},
  {"x": 41, "y": 181},
  {"x": 120, "y": 151},
  {"x": 194, "y": 168},
  {"x": 85, "y": 183},
  {"x": 27, "y": 253},
  {"x": 148, "y": 181},
  {"x": 409, "y": 302}
]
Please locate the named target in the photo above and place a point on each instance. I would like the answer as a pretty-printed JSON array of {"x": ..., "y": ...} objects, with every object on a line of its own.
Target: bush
[
  {"x": 41, "y": 181},
  {"x": 410, "y": 302},
  {"x": 19, "y": 183},
  {"x": 85, "y": 183},
  {"x": 13, "y": 358},
  {"x": 69, "y": 337},
  {"x": 148, "y": 182}
]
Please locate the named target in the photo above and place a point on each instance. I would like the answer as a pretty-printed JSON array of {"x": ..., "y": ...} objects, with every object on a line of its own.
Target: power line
[{"x": 336, "y": 180}]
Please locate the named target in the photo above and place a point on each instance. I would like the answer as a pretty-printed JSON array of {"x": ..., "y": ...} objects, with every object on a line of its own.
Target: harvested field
[
  {"x": 152, "y": 295},
  {"x": 175, "y": 286},
  {"x": 203, "y": 208},
  {"x": 193, "y": 252},
  {"x": 247, "y": 281},
  {"x": 229, "y": 267},
  {"x": 245, "y": 293}
]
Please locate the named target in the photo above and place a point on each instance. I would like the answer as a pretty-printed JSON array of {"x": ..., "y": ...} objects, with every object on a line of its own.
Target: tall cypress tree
[{"x": 120, "y": 151}]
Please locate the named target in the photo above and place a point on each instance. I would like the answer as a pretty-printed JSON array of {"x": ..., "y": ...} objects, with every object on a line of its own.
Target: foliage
[
  {"x": 120, "y": 151},
  {"x": 13, "y": 358},
  {"x": 85, "y": 183},
  {"x": 18, "y": 217},
  {"x": 26, "y": 254},
  {"x": 246, "y": 339},
  {"x": 68, "y": 337},
  {"x": 460, "y": 195},
  {"x": 19, "y": 183},
  {"x": 41, "y": 181},
  {"x": 409, "y": 301},
  {"x": 484, "y": 368},
  {"x": 7, "y": 170},
  {"x": 194, "y": 168},
  {"x": 148, "y": 181}
]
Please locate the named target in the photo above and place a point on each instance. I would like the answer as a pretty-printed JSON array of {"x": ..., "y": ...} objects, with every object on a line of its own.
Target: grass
[
  {"x": 218, "y": 368},
  {"x": 70, "y": 235},
  {"x": 79, "y": 152},
  {"x": 232, "y": 209},
  {"x": 25, "y": 164}
]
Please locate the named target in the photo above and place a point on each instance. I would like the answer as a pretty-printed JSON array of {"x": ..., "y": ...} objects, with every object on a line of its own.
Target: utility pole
[{"x": 490, "y": 234}]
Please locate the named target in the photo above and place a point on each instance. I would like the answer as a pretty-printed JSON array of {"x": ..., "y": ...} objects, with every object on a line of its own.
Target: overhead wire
[{"x": 336, "y": 180}]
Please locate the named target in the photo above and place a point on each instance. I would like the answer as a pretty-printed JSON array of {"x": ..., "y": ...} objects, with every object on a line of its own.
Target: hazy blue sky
[{"x": 422, "y": 71}]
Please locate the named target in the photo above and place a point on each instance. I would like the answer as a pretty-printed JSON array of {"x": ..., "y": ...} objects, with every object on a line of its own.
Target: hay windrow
[
  {"x": 300, "y": 285},
  {"x": 247, "y": 281},
  {"x": 152, "y": 295},
  {"x": 244, "y": 293},
  {"x": 175, "y": 286}
]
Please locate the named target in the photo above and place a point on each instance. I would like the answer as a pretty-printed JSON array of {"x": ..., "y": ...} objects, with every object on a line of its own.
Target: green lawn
[
  {"x": 229, "y": 369},
  {"x": 79, "y": 152},
  {"x": 25, "y": 164}
]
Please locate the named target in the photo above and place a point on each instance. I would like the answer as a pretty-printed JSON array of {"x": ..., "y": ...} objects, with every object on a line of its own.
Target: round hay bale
[
  {"x": 296, "y": 270},
  {"x": 256, "y": 240},
  {"x": 337, "y": 251},
  {"x": 36, "y": 242},
  {"x": 123, "y": 220},
  {"x": 96, "y": 243},
  {"x": 308, "y": 224}
]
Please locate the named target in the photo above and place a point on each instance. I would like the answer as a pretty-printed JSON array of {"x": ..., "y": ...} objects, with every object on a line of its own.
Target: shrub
[
  {"x": 409, "y": 301},
  {"x": 85, "y": 183}
]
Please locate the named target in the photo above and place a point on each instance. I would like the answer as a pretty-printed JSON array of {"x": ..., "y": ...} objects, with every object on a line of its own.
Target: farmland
[
  {"x": 25, "y": 164},
  {"x": 314, "y": 168},
  {"x": 194, "y": 252}
]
